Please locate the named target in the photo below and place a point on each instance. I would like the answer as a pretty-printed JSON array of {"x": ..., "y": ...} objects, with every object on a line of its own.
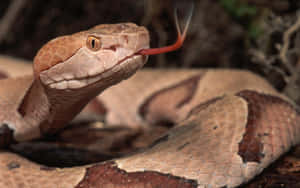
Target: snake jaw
[{"x": 126, "y": 66}]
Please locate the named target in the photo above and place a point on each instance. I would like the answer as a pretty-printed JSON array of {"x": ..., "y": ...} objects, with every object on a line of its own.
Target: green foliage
[
  {"x": 244, "y": 14},
  {"x": 254, "y": 30},
  {"x": 237, "y": 9}
]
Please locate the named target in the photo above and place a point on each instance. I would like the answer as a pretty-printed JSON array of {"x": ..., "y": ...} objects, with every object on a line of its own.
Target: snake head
[{"x": 103, "y": 54}]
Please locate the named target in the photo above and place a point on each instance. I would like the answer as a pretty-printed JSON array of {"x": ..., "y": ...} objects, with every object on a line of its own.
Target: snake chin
[{"x": 127, "y": 66}]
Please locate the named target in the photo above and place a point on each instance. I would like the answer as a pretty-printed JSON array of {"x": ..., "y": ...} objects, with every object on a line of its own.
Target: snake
[{"x": 229, "y": 124}]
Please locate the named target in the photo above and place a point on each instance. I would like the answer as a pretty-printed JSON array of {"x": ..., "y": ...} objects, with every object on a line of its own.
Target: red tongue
[{"x": 177, "y": 44}]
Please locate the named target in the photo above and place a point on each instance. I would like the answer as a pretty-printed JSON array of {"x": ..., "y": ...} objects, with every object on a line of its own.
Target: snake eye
[{"x": 93, "y": 43}]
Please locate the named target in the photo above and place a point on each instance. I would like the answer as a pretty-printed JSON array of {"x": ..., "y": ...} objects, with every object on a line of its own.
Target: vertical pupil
[{"x": 93, "y": 43}]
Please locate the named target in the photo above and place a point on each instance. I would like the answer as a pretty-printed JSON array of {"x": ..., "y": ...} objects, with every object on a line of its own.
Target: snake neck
[
  {"x": 35, "y": 105},
  {"x": 50, "y": 110}
]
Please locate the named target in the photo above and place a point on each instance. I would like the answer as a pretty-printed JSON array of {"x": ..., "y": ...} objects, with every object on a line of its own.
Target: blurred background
[{"x": 259, "y": 35}]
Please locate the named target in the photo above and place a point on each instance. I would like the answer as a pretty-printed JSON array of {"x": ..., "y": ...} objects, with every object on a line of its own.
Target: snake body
[{"x": 230, "y": 124}]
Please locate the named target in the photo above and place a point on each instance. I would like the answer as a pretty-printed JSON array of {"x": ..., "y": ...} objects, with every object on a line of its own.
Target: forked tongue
[{"x": 177, "y": 44}]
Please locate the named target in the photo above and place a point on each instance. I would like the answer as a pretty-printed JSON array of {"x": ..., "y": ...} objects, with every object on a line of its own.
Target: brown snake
[{"x": 231, "y": 124}]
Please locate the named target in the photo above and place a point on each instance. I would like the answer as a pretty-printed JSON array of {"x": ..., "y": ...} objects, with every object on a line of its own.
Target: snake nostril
[{"x": 113, "y": 47}]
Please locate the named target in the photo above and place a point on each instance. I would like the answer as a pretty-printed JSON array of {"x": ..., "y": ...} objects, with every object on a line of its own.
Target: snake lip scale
[
  {"x": 91, "y": 79},
  {"x": 229, "y": 124}
]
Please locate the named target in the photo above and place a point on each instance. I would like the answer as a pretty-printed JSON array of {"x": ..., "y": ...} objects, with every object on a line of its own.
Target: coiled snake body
[{"x": 231, "y": 124}]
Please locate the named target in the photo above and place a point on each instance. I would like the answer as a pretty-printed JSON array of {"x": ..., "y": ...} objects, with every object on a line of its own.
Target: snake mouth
[{"x": 132, "y": 62}]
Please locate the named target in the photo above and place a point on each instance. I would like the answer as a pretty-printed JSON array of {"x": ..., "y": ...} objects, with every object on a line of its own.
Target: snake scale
[{"x": 230, "y": 124}]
